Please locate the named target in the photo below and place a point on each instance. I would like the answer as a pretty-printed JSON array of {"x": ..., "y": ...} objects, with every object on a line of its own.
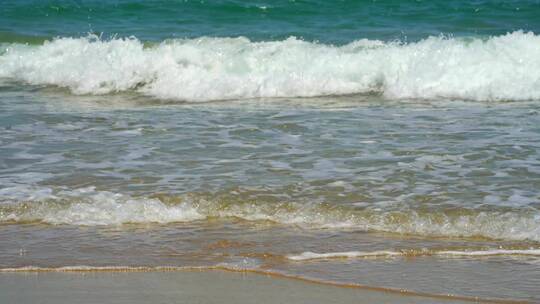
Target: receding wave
[
  {"x": 498, "y": 68},
  {"x": 89, "y": 207},
  {"x": 309, "y": 256}
]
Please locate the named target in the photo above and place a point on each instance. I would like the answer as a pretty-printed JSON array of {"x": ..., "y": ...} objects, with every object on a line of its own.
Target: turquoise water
[
  {"x": 336, "y": 22},
  {"x": 387, "y": 143}
]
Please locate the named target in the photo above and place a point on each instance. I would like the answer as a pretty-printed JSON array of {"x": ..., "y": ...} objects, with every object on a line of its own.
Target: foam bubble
[{"x": 499, "y": 68}]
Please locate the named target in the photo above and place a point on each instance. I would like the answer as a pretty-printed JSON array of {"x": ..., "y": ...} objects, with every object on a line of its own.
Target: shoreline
[{"x": 406, "y": 294}]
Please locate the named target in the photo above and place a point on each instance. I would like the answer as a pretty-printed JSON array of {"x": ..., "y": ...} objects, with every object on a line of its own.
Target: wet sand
[{"x": 183, "y": 287}]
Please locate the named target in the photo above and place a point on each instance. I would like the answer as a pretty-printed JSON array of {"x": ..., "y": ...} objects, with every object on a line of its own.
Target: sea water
[{"x": 383, "y": 143}]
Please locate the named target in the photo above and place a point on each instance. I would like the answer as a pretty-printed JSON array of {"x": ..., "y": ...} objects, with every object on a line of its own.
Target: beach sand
[{"x": 183, "y": 287}]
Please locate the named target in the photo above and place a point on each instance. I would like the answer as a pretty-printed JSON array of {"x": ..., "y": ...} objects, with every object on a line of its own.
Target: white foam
[
  {"x": 307, "y": 256},
  {"x": 493, "y": 252},
  {"x": 499, "y": 68},
  {"x": 90, "y": 207}
]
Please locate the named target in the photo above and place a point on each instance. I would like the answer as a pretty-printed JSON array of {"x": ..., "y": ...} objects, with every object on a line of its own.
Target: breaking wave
[
  {"x": 89, "y": 207},
  {"x": 498, "y": 68}
]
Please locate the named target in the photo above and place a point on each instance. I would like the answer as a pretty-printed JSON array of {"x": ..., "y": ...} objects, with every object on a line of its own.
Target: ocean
[{"x": 390, "y": 144}]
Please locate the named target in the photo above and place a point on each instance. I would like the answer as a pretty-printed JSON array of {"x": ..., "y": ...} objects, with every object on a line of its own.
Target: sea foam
[
  {"x": 90, "y": 207},
  {"x": 504, "y": 67},
  {"x": 311, "y": 256}
]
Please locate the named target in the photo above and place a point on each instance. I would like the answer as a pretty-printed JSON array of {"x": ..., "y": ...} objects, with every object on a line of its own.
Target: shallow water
[
  {"x": 339, "y": 155},
  {"x": 436, "y": 197},
  {"x": 191, "y": 286}
]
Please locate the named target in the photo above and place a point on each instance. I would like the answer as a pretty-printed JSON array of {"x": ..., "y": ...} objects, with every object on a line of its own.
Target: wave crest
[{"x": 500, "y": 68}]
